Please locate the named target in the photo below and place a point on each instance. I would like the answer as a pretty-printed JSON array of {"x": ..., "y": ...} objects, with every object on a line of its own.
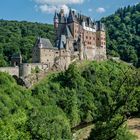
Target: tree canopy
[
  {"x": 99, "y": 92},
  {"x": 123, "y": 34}
]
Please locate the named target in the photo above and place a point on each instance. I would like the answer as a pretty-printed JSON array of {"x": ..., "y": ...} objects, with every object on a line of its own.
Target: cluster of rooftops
[
  {"x": 73, "y": 16},
  {"x": 63, "y": 19}
]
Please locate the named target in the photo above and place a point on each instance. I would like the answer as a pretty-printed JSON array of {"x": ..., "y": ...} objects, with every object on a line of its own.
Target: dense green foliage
[
  {"x": 20, "y": 37},
  {"x": 13, "y": 116},
  {"x": 123, "y": 34},
  {"x": 102, "y": 93},
  {"x": 24, "y": 117}
]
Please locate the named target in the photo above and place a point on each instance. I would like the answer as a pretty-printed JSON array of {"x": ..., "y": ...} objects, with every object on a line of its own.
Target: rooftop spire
[{"x": 55, "y": 15}]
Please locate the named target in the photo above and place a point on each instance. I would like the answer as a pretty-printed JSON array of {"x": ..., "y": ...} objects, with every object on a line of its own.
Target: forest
[
  {"x": 123, "y": 34},
  {"x": 98, "y": 92}
]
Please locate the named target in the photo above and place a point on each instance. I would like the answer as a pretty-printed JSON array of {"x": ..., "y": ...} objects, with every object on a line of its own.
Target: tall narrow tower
[
  {"x": 101, "y": 40},
  {"x": 73, "y": 24},
  {"x": 56, "y": 22},
  {"x": 100, "y": 35}
]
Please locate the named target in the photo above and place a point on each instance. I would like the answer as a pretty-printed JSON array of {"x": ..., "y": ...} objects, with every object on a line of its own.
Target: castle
[{"x": 78, "y": 37}]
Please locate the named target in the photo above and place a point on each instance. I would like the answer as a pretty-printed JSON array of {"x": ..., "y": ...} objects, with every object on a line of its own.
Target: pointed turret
[
  {"x": 71, "y": 16},
  {"x": 56, "y": 21},
  {"x": 61, "y": 16}
]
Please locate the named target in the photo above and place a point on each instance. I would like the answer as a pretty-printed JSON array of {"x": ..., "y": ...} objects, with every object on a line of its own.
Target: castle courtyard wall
[
  {"x": 27, "y": 69},
  {"x": 10, "y": 70}
]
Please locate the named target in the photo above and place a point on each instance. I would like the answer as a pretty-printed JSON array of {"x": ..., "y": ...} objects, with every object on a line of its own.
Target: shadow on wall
[{"x": 19, "y": 80}]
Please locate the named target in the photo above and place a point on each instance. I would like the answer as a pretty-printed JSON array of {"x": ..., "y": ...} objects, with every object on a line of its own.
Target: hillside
[
  {"x": 123, "y": 34},
  {"x": 18, "y": 36},
  {"x": 101, "y": 93}
]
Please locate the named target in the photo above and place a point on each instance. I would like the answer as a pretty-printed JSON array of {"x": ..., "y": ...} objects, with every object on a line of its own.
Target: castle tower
[
  {"x": 73, "y": 24},
  {"x": 60, "y": 23},
  {"x": 100, "y": 35},
  {"x": 101, "y": 40},
  {"x": 56, "y": 21},
  {"x": 16, "y": 59}
]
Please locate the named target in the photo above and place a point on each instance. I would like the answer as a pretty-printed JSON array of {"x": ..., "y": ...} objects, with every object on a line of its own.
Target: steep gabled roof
[
  {"x": 62, "y": 42},
  {"x": 44, "y": 43},
  {"x": 77, "y": 17},
  {"x": 55, "y": 15},
  {"x": 68, "y": 32}
]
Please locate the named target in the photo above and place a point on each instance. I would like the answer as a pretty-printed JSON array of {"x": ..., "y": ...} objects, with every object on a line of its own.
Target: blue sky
[{"x": 42, "y": 10}]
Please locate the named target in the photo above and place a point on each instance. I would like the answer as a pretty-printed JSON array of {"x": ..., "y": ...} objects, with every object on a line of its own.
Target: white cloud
[
  {"x": 100, "y": 10},
  {"x": 90, "y": 10},
  {"x": 59, "y": 2},
  {"x": 47, "y": 9},
  {"x": 50, "y": 6}
]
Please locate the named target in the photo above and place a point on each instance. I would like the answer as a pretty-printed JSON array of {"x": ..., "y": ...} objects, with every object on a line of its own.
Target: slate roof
[
  {"x": 79, "y": 18},
  {"x": 100, "y": 26},
  {"x": 62, "y": 42},
  {"x": 68, "y": 32},
  {"x": 45, "y": 43},
  {"x": 56, "y": 15},
  {"x": 73, "y": 16}
]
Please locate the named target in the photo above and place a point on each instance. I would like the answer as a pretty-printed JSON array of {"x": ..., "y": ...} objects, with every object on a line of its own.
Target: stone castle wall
[
  {"x": 27, "y": 69},
  {"x": 10, "y": 70},
  {"x": 47, "y": 56}
]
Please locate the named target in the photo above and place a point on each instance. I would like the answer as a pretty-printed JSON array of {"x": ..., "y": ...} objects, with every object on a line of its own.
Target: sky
[{"x": 43, "y": 10}]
